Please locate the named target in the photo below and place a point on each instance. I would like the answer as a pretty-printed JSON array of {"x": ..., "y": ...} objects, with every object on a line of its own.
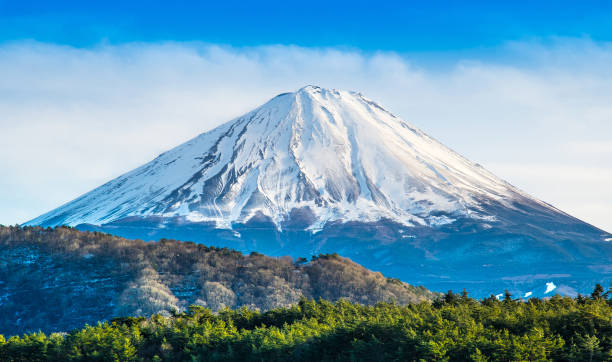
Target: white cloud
[
  {"x": 582, "y": 191},
  {"x": 71, "y": 119},
  {"x": 593, "y": 148}
]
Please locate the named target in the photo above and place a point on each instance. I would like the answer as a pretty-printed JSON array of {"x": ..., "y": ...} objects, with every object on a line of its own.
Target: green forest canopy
[{"x": 454, "y": 327}]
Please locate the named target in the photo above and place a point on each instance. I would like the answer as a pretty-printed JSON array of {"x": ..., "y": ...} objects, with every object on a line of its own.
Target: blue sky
[
  {"x": 398, "y": 26},
  {"x": 90, "y": 90}
]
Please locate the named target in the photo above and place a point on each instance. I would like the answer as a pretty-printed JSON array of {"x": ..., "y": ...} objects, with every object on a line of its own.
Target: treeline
[
  {"x": 454, "y": 328},
  {"x": 60, "y": 279}
]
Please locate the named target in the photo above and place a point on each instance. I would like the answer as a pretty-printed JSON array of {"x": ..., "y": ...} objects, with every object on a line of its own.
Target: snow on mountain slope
[{"x": 335, "y": 153}]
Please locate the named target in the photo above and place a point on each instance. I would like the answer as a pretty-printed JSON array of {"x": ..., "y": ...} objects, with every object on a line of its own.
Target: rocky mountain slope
[{"x": 322, "y": 170}]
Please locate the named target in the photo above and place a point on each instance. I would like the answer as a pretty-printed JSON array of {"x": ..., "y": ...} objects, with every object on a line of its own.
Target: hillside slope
[{"x": 59, "y": 279}]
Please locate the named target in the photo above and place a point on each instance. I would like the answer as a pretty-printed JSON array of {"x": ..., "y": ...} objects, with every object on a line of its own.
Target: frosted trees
[{"x": 146, "y": 296}]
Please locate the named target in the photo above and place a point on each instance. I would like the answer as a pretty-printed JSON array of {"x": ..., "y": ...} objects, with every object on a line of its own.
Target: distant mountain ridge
[{"x": 321, "y": 170}]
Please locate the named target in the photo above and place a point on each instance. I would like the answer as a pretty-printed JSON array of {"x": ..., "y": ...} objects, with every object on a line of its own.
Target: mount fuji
[{"x": 322, "y": 170}]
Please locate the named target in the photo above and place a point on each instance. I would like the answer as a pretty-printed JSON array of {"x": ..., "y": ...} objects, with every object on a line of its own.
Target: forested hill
[{"x": 60, "y": 279}]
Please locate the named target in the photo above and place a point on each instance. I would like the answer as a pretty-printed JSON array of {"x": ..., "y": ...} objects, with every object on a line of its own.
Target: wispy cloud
[{"x": 72, "y": 118}]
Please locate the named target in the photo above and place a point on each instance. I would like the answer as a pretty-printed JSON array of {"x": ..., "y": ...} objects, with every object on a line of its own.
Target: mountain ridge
[{"x": 59, "y": 279}]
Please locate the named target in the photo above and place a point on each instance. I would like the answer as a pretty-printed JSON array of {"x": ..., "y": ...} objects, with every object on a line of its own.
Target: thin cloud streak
[{"x": 72, "y": 119}]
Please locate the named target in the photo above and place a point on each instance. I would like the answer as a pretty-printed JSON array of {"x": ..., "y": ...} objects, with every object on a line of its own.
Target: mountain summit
[
  {"x": 336, "y": 154},
  {"x": 328, "y": 170}
]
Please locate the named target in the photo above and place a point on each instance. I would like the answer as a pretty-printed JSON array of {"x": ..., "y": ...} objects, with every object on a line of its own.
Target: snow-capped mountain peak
[{"x": 331, "y": 154}]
